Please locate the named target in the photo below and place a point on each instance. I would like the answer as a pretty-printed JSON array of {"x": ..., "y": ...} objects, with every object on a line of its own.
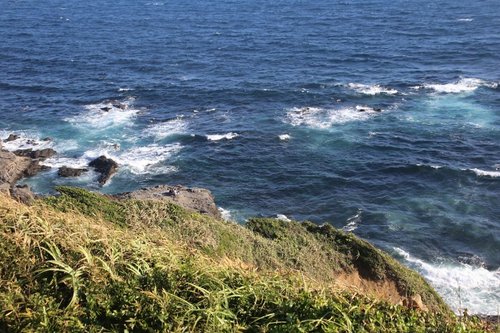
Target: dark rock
[
  {"x": 106, "y": 109},
  {"x": 197, "y": 199},
  {"x": 105, "y": 166},
  {"x": 12, "y": 167},
  {"x": 361, "y": 110},
  {"x": 47, "y": 139},
  {"x": 70, "y": 172},
  {"x": 34, "y": 168},
  {"x": 22, "y": 193},
  {"x": 377, "y": 110},
  {"x": 41, "y": 154},
  {"x": 12, "y": 137}
]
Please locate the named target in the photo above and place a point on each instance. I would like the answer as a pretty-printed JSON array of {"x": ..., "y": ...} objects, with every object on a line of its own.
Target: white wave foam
[
  {"x": 352, "y": 222},
  {"x": 485, "y": 173},
  {"x": 283, "y": 217},
  {"x": 371, "y": 89},
  {"x": 137, "y": 160},
  {"x": 165, "y": 129},
  {"x": 217, "y": 137},
  {"x": 462, "y": 286},
  {"x": 461, "y": 86},
  {"x": 325, "y": 118},
  {"x": 434, "y": 166},
  {"x": 105, "y": 114},
  {"x": 26, "y": 140},
  {"x": 124, "y": 89},
  {"x": 284, "y": 137},
  {"x": 226, "y": 214},
  {"x": 465, "y": 19}
]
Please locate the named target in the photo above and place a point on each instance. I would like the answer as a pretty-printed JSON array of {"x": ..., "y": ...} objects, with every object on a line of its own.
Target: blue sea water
[{"x": 380, "y": 117}]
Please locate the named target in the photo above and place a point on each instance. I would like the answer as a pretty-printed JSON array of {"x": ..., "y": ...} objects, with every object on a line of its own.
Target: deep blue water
[{"x": 421, "y": 178}]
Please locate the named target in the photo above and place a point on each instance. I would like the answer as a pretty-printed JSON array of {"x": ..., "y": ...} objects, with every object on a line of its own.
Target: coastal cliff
[{"x": 82, "y": 261}]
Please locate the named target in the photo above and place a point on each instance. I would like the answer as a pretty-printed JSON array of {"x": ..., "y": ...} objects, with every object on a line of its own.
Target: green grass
[{"x": 82, "y": 262}]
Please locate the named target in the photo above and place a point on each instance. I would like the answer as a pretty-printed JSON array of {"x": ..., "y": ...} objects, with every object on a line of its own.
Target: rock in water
[
  {"x": 41, "y": 154},
  {"x": 197, "y": 199},
  {"x": 64, "y": 171},
  {"x": 12, "y": 137},
  {"x": 105, "y": 166}
]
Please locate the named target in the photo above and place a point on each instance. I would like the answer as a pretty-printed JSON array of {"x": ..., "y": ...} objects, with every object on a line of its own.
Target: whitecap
[
  {"x": 321, "y": 118},
  {"x": 371, "y": 89},
  {"x": 465, "y": 19},
  {"x": 461, "y": 86},
  {"x": 165, "y": 129},
  {"x": 283, "y": 217},
  {"x": 352, "y": 222},
  {"x": 284, "y": 137},
  {"x": 433, "y": 166},
  {"x": 486, "y": 173},
  {"x": 462, "y": 286},
  {"x": 105, "y": 114},
  {"x": 217, "y": 137},
  {"x": 124, "y": 89},
  {"x": 225, "y": 214}
]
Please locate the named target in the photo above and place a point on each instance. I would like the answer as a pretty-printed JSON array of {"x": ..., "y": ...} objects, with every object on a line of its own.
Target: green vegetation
[{"x": 84, "y": 262}]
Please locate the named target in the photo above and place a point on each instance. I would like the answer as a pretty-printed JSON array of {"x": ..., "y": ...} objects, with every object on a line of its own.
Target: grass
[{"x": 83, "y": 262}]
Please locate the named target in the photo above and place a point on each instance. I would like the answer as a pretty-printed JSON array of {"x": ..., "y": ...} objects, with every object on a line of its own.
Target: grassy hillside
[{"x": 82, "y": 262}]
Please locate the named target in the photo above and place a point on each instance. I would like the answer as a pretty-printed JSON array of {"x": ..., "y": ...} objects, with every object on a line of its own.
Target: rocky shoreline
[{"x": 22, "y": 163}]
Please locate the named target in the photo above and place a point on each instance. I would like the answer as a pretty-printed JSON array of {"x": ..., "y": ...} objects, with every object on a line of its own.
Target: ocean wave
[
  {"x": 218, "y": 137},
  {"x": 321, "y": 118},
  {"x": 485, "y": 173},
  {"x": 461, "y": 86},
  {"x": 168, "y": 128},
  {"x": 284, "y": 137},
  {"x": 433, "y": 166},
  {"x": 465, "y": 19},
  {"x": 463, "y": 286},
  {"x": 371, "y": 89},
  {"x": 105, "y": 114}
]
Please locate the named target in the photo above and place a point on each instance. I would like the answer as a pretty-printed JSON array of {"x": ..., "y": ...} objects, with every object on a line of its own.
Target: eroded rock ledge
[{"x": 197, "y": 199}]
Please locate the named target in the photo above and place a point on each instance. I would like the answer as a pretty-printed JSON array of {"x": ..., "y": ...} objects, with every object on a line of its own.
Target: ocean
[{"x": 379, "y": 117}]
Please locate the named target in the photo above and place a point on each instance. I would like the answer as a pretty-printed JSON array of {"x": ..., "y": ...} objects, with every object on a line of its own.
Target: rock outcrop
[
  {"x": 41, "y": 154},
  {"x": 65, "y": 171},
  {"x": 105, "y": 166},
  {"x": 22, "y": 193},
  {"x": 13, "y": 167},
  {"x": 197, "y": 199}
]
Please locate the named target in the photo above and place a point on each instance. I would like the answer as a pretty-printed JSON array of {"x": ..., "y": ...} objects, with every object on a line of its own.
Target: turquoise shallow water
[{"x": 379, "y": 117}]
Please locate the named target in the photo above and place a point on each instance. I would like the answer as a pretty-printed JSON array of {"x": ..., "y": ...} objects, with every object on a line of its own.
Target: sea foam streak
[
  {"x": 462, "y": 286},
  {"x": 461, "y": 86},
  {"x": 371, "y": 89},
  {"x": 218, "y": 137},
  {"x": 168, "y": 128},
  {"x": 320, "y": 118}
]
